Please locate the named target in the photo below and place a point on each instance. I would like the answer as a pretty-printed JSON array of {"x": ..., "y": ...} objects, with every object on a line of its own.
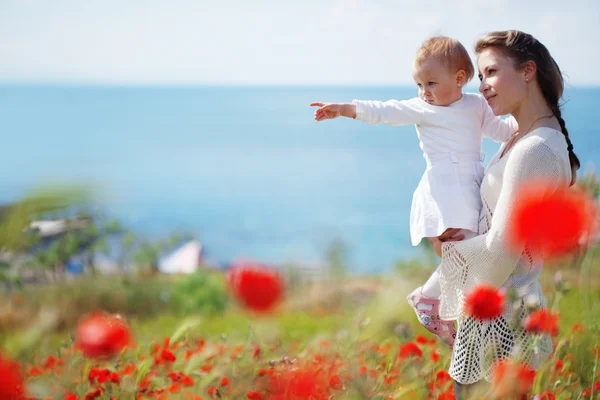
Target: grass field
[{"x": 352, "y": 338}]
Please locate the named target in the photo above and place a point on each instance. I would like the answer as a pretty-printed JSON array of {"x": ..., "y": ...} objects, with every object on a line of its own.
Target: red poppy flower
[
  {"x": 52, "y": 361},
  {"x": 180, "y": 377},
  {"x": 559, "y": 364},
  {"x": 114, "y": 377},
  {"x": 298, "y": 384},
  {"x": 553, "y": 221},
  {"x": 547, "y": 396},
  {"x": 577, "y": 327},
  {"x": 98, "y": 375},
  {"x": 335, "y": 382},
  {"x": 11, "y": 380},
  {"x": 129, "y": 369},
  {"x": 421, "y": 339},
  {"x": 447, "y": 395},
  {"x": 484, "y": 302},
  {"x": 408, "y": 350},
  {"x": 175, "y": 388},
  {"x": 255, "y": 396},
  {"x": 257, "y": 351},
  {"x": 256, "y": 286},
  {"x": 542, "y": 321},
  {"x": 95, "y": 392},
  {"x": 442, "y": 377},
  {"x": 511, "y": 379},
  {"x": 165, "y": 356},
  {"x": 225, "y": 381},
  {"x": 101, "y": 335}
]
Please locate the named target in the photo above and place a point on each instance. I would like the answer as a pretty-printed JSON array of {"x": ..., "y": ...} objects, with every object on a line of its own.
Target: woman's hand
[
  {"x": 449, "y": 233},
  {"x": 437, "y": 245},
  {"x": 333, "y": 110},
  {"x": 447, "y": 236}
]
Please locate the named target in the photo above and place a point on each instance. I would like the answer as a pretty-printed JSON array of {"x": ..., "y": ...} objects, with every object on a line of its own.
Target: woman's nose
[{"x": 483, "y": 86}]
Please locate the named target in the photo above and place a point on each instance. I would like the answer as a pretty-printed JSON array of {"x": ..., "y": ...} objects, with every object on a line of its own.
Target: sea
[{"x": 244, "y": 169}]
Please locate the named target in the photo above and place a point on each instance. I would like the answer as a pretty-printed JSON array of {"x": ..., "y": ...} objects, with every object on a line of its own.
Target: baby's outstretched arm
[
  {"x": 333, "y": 110},
  {"x": 391, "y": 112}
]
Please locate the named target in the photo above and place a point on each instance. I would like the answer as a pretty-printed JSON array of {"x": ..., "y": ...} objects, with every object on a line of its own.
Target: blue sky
[{"x": 321, "y": 42}]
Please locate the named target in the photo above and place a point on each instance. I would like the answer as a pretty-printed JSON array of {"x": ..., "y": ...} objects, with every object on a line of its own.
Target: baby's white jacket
[{"x": 450, "y": 136}]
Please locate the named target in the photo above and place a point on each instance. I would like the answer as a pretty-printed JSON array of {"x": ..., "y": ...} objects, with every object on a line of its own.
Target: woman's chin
[{"x": 497, "y": 110}]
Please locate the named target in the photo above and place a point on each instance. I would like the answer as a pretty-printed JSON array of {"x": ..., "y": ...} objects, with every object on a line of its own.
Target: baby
[{"x": 450, "y": 125}]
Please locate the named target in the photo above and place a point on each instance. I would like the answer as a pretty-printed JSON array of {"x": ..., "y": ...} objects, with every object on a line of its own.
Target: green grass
[{"x": 346, "y": 324}]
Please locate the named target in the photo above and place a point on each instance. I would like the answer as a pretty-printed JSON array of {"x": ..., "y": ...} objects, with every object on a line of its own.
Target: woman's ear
[
  {"x": 529, "y": 70},
  {"x": 461, "y": 78}
]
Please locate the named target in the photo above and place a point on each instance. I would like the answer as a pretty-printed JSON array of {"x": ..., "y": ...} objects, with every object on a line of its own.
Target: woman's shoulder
[
  {"x": 548, "y": 137},
  {"x": 543, "y": 142}
]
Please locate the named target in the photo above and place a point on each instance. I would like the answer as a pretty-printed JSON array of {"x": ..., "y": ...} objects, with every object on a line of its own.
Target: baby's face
[{"x": 436, "y": 84}]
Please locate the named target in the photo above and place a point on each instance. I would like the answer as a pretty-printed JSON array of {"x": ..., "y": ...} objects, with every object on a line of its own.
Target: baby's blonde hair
[{"x": 450, "y": 51}]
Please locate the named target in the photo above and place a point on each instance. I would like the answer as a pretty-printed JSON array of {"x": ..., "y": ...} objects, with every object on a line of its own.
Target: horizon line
[{"x": 159, "y": 85}]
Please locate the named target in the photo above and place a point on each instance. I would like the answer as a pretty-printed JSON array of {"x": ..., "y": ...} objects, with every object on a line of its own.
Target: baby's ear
[{"x": 461, "y": 78}]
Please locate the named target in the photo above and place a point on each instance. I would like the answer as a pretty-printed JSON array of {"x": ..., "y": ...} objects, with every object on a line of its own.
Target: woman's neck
[{"x": 531, "y": 110}]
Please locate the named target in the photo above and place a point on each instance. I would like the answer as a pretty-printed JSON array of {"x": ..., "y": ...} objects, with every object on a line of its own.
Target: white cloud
[{"x": 312, "y": 42}]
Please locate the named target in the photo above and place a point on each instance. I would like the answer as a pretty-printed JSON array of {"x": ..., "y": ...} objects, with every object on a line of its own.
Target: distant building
[
  {"x": 52, "y": 228},
  {"x": 183, "y": 260}
]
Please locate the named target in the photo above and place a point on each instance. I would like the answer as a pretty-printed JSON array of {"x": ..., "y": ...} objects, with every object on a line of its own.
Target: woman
[{"x": 519, "y": 77}]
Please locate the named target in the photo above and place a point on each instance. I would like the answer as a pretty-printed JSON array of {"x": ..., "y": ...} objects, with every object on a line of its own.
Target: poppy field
[{"x": 344, "y": 337}]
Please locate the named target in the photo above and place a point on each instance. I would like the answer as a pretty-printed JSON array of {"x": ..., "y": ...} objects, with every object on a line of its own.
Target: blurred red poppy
[
  {"x": 511, "y": 379},
  {"x": 101, "y": 335},
  {"x": 484, "y": 302},
  {"x": 409, "y": 350},
  {"x": 554, "y": 221},
  {"x": 542, "y": 321},
  {"x": 256, "y": 286},
  {"x": 11, "y": 380},
  {"x": 298, "y": 384}
]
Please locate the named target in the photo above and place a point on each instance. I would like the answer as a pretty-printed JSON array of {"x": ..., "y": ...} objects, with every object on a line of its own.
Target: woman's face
[{"x": 502, "y": 85}]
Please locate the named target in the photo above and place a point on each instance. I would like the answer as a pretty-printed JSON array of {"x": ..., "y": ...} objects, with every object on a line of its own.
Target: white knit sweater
[{"x": 484, "y": 259}]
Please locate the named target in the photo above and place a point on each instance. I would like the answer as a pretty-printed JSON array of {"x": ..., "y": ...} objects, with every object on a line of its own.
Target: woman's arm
[{"x": 485, "y": 258}]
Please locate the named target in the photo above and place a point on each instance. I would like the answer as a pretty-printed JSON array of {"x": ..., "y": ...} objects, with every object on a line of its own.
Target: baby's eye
[
  {"x": 480, "y": 78},
  {"x": 419, "y": 85},
  {"x": 491, "y": 71},
  {"x": 431, "y": 83}
]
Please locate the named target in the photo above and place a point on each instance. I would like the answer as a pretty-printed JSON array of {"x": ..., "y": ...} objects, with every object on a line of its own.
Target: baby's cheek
[{"x": 447, "y": 93}]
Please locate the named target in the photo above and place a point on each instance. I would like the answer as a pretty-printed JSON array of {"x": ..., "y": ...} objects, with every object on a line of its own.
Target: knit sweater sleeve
[{"x": 485, "y": 258}]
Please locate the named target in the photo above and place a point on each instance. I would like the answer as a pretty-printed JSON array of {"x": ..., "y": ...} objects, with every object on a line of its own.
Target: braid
[{"x": 573, "y": 159}]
